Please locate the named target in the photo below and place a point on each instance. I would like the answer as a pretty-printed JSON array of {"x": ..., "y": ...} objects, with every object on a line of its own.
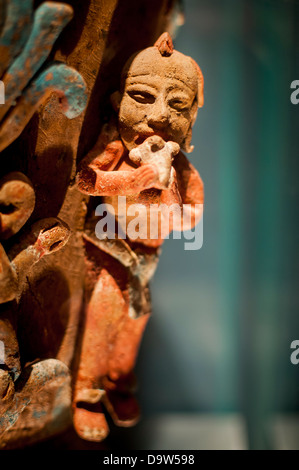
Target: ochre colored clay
[{"x": 139, "y": 157}]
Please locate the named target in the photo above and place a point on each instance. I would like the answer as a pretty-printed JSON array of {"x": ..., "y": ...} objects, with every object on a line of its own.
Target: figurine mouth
[{"x": 142, "y": 137}]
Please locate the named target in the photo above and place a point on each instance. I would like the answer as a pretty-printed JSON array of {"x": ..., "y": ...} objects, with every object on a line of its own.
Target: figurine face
[
  {"x": 152, "y": 105},
  {"x": 159, "y": 98}
]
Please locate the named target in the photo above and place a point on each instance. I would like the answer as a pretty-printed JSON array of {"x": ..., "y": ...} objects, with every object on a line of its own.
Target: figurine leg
[{"x": 108, "y": 354}]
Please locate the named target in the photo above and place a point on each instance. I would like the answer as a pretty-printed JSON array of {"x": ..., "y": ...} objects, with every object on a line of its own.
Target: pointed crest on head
[{"x": 165, "y": 45}]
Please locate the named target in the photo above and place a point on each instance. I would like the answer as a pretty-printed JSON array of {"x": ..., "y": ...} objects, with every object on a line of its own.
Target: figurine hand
[{"x": 145, "y": 177}]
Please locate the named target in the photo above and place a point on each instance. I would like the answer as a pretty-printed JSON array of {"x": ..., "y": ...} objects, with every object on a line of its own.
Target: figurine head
[{"x": 161, "y": 90}]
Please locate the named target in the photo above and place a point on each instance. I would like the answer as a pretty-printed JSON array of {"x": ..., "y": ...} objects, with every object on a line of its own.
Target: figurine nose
[{"x": 159, "y": 115}]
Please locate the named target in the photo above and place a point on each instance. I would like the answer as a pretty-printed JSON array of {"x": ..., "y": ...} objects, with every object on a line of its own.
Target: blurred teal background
[{"x": 224, "y": 316}]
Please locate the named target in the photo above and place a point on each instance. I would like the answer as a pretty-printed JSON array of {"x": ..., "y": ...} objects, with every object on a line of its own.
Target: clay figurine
[{"x": 137, "y": 159}]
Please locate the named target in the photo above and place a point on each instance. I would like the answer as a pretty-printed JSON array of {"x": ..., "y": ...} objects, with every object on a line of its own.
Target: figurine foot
[
  {"x": 122, "y": 407},
  {"x": 90, "y": 422}
]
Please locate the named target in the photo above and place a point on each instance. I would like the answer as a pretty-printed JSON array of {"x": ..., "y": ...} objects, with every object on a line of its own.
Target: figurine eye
[
  {"x": 179, "y": 104},
  {"x": 141, "y": 96}
]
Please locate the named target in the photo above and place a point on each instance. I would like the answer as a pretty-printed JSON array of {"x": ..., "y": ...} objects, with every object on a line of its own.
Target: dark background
[{"x": 225, "y": 316}]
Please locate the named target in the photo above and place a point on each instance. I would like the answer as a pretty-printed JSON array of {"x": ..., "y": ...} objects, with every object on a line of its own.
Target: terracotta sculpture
[{"x": 136, "y": 160}]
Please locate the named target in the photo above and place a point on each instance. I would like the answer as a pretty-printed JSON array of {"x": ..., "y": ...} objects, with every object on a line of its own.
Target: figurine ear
[
  {"x": 115, "y": 99},
  {"x": 186, "y": 145}
]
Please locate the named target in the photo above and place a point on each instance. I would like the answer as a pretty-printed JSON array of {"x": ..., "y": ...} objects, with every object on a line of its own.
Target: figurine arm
[
  {"x": 188, "y": 184},
  {"x": 95, "y": 177},
  {"x": 96, "y": 182}
]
